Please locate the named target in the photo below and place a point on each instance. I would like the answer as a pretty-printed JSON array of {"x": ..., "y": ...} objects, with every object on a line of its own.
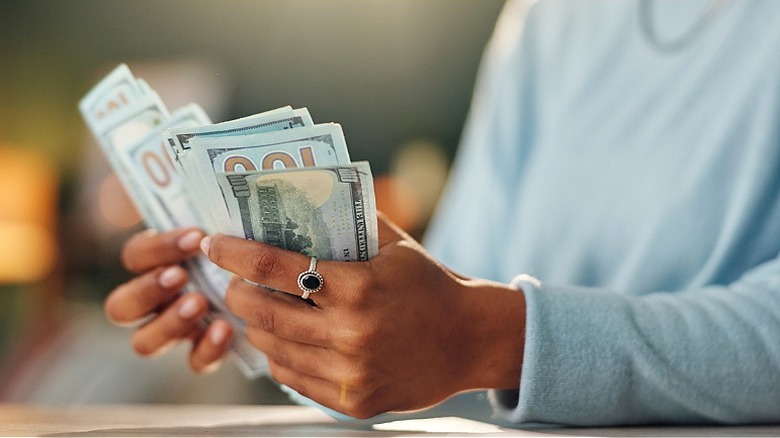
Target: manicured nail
[
  {"x": 149, "y": 232},
  {"x": 190, "y": 240},
  {"x": 171, "y": 277},
  {"x": 189, "y": 308},
  {"x": 218, "y": 334},
  {"x": 204, "y": 244}
]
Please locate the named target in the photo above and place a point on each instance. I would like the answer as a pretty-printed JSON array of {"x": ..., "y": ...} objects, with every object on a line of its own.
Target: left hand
[{"x": 398, "y": 332}]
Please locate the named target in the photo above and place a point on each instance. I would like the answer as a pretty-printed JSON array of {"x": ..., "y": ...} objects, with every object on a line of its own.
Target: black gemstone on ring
[{"x": 311, "y": 281}]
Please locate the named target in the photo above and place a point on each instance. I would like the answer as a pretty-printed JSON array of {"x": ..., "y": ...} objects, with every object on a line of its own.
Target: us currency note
[
  {"x": 274, "y": 120},
  {"x": 151, "y": 170},
  {"x": 113, "y": 93},
  {"x": 179, "y": 139},
  {"x": 323, "y": 212},
  {"x": 164, "y": 194},
  {"x": 125, "y": 122},
  {"x": 318, "y": 145},
  {"x": 125, "y": 126},
  {"x": 273, "y": 176}
]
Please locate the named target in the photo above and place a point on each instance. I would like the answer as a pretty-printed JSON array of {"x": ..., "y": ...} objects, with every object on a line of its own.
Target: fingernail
[
  {"x": 190, "y": 240},
  {"x": 204, "y": 244},
  {"x": 218, "y": 334},
  {"x": 189, "y": 308},
  {"x": 171, "y": 277}
]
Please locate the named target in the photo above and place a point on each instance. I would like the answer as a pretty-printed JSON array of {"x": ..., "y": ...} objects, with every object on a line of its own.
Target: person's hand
[
  {"x": 154, "y": 297},
  {"x": 396, "y": 333}
]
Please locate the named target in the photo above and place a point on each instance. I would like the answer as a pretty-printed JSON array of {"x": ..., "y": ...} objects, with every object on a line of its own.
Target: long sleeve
[{"x": 596, "y": 356}]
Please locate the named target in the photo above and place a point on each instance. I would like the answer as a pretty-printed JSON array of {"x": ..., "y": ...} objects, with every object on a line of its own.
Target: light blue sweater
[{"x": 642, "y": 187}]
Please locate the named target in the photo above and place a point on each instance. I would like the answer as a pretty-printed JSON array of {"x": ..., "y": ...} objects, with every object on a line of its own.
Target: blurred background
[{"x": 397, "y": 75}]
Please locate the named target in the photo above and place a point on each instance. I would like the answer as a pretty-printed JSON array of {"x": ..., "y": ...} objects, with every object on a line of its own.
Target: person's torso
[{"x": 650, "y": 169}]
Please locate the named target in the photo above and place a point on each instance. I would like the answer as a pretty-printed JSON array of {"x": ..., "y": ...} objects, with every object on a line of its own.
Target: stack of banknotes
[{"x": 274, "y": 177}]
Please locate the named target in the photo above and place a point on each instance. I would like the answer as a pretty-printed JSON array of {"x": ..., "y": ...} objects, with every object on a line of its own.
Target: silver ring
[{"x": 310, "y": 281}]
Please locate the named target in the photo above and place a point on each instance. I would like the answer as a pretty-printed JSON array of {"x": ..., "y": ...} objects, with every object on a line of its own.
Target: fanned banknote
[
  {"x": 274, "y": 177},
  {"x": 319, "y": 145},
  {"x": 178, "y": 140},
  {"x": 127, "y": 128},
  {"x": 323, "y": 212}
]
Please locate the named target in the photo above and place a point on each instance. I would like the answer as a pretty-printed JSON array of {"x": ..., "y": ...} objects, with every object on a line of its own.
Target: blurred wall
[{"x": 389, "y": 71}]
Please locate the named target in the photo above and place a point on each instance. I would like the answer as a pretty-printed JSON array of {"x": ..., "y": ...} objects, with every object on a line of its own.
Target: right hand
[{"x": 154, "y": 296}]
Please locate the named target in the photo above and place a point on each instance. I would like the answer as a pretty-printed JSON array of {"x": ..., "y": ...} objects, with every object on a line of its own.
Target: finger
[
  {"x": 149, "y": 249},
  {"x": 144, "y": 294},
  {"x": 177, "y": 322},
  {"x": 261, "y": 263},
  {"x": 334, "y": 395},
  {"x": 389, "y": 232},
  {"x": 210, "y": 349},
  {"x": 304, "y": 358},
  {"x": 277, "y": 314}
]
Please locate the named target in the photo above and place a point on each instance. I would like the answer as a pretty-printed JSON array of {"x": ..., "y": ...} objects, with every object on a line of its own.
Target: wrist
[{"x": 495, "y": 325}]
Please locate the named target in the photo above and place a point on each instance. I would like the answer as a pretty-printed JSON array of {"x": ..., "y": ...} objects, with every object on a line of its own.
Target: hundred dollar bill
[
  {"x": 323, "y": 212},
  {"x": 117, "y": 90},
  {"x": 164, "y": 194},
  {"x": 126, "y": 126},
  {"x": 152, "y": 172},
  {"x": 318, "y": 145},
  {"x": 273, "y": 176},
  {"x": 179, "y": 139},
  {"x": 125, "y": 122},
  {"x": 274, "y": 120}
]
